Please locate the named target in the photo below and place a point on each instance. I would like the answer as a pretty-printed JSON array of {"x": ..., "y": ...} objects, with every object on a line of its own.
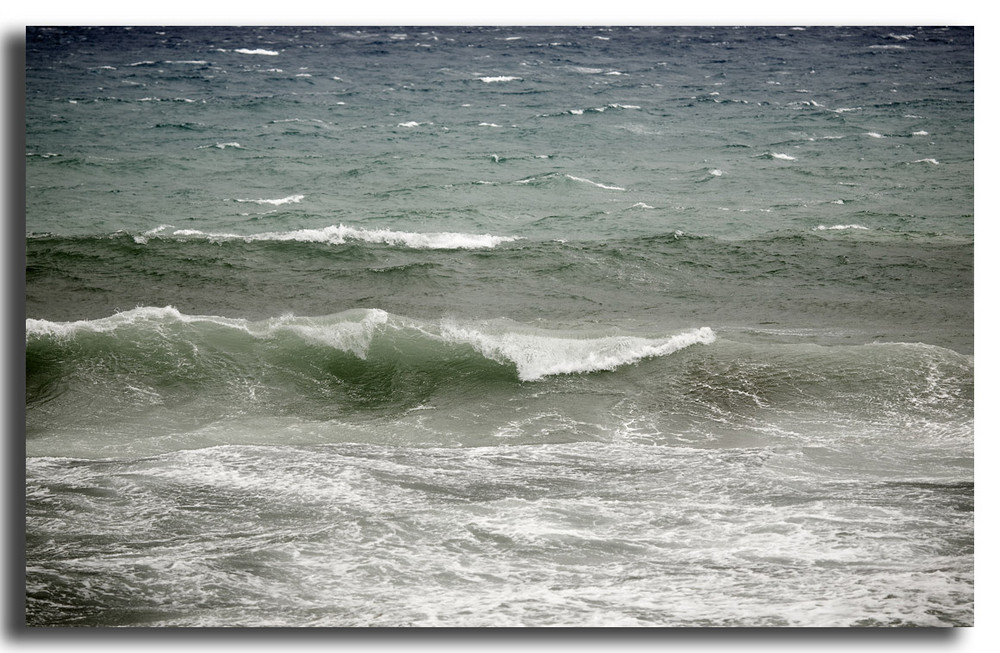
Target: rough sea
[{"x": 499, "y": 326}]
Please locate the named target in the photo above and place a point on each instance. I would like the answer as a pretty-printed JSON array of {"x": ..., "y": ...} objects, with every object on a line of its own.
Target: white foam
[
  {"x": 499, "y": 78},
  {"x": 537, "y": 355},
  {"x": 594, "y": 183},
  {"x": 353, "y": 335},
  {"x": 874, "y": 135},
  {"x": 143, "y": 314},
  {"x": 291, "y": 199},
  {"x": 351, "y": 331},
  {"x": 339, "y": 234},
  {"x": 144, "y": 237},
  {"x": 933, "y": 161},
  {"x": 839, "y": 227},
  {"x": 222, "y": 146},
  {"x": 783, "y": 157},
  {"x": 270, "y": 53}
]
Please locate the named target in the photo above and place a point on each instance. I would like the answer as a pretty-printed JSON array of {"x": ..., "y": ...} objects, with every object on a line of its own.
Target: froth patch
[
  {"x": 339, "y": 234},
  {"x": 151, "y": 315},
  {"x": 538, "y": 354}
]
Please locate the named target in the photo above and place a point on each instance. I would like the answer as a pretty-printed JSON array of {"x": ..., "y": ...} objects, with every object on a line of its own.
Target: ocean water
[{"x": 499, "y": 326}]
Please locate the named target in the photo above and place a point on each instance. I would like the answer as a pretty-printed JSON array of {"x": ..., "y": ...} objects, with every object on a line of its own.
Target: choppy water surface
[{"x": 499, "y": 326}]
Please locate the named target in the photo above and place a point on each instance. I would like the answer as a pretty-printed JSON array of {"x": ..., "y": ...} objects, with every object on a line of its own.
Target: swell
[{"x": 155, "y": 379}]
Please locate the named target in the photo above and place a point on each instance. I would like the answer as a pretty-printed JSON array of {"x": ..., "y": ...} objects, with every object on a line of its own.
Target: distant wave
[
  {"x": 339, "y": 234},
  {"x": 556, "y": 175},
  {"x": 600, "y": 109},
  {"x": 291, "y": 199},
  {"x": 262, "y": 51},
  {"x": 839, "y": 227}
]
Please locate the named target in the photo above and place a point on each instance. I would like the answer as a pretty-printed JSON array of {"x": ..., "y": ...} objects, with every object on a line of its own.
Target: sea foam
[
  {"x": 340, "y": 234},
  {"x": 540, "y": 354}
]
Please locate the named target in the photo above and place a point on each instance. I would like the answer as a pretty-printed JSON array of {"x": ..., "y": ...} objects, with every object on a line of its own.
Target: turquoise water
[{"x": 499, "y": 326}]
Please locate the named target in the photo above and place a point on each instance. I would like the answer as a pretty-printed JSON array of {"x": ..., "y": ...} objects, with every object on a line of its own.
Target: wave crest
[
  {"x": 363, "y": 333},
  {"x": 340, "y": 234}
]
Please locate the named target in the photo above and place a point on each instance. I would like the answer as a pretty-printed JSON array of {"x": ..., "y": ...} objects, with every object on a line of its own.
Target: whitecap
[
  {"x": 538, "y": 354},
  {"x": 594, "y": 183},
  {"x": 270, "y": 53},
  {"x": 291, "y": 199},
  {"x": 222, "y": 146},
  {"x": 340, "y": 234},
  {"x": 499, "y": 78}
]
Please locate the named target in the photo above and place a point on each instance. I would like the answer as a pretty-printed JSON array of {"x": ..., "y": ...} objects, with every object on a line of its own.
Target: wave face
[
  {"x": 159, "y": 365},
  {"x": 499, "y": 326},
  {"x": 355, "y": 364}
]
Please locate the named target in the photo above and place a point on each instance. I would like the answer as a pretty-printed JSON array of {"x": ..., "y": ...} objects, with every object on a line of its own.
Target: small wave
[
  {"x": 291, "y": 199},
  {"x": 339, "y": 234},
  {"x": 594, "y": 183},
  {"x": 932, "y": 161},
  {"x": 221, "y": 146},
  {"x": 839, "y": 227},
  {"x": 270, "y": 53},
  {"x": 500, "y": 78},
  {"x": 601, "y": 109},
  {"x": 778, "y": 155}
]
